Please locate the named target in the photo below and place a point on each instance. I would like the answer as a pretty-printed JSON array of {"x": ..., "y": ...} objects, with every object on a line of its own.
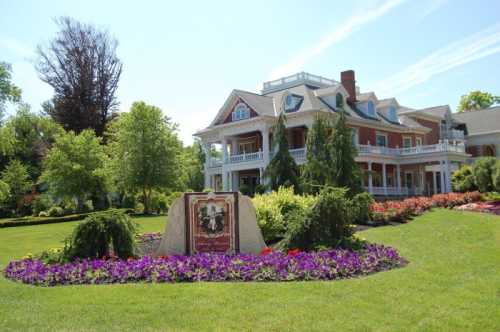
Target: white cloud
[
  {"x": 352, "y": 24},
  {"x": 432, "y": 6},
  {"x": 471, "y": 48}
]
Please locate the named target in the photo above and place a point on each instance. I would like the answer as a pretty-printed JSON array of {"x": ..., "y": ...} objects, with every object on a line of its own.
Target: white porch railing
[
  {"x": 298, "y": 154},
  {"x": 241, "y": 158},
  {"x": 215, "y": 163},
  {"x": 444, "y": 146},
  {"x": 394, "y": 191}
]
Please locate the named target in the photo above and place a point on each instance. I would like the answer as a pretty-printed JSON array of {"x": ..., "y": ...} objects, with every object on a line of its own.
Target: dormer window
[
  {"x": 241, "y": 112},
  {"x": 339, "y": 100},
  {"x": 292, "y": 102},
  {"x": 392, "y": 114},
  {"x": 370, "y": 109}
]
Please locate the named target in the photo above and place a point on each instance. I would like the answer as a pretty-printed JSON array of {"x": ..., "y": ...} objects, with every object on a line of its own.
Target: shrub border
[{"x": 31, "y": 221}]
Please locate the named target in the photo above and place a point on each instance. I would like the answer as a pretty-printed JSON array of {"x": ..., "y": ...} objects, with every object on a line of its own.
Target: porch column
[
  {"x": 448, "y": 176},
  {"x": 441, "y": 174},
  {"x": 206, "y": 151},
  {"x": 265, "y": 153},
  {"x": 384, "y": 178},
  {"x": 235, "y": 183},
  {"x": 225, "y": 182},
  {"x": 434, "y": 182},
  {"x": 398, "y": 179},
  {"x": 224, "y": 150},
  {"x": 370, "y": 184},
  {"x": 234, "y": 146},
  {"x": 422, "y": 179}
]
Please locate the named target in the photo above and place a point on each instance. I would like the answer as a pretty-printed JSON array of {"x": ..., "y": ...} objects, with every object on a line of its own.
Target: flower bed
[
  {"x": 269, "y": 266},
  {"x": 485, "y": 207},
  {"x": 401, "y": 211}
]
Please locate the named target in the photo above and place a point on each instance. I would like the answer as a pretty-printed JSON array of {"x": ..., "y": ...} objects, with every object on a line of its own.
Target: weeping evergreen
[
  {"x": 282, "y": 170},
  {"x": 316, "y": 171}
]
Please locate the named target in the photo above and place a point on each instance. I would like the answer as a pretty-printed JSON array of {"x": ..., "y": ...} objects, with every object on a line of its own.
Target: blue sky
[{"x": 186, "y": 57}]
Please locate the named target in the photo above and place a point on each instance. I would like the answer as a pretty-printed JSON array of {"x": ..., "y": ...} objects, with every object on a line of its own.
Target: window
[
  {"x": 247, "y": 147},
  {"x": 381, "y": 139},
  {"x": 339, "y": 100},
  {"x": 392, "y": 114},
  {"x": 406, "y": 142},
  {"x": 370, "y": 108},
  {"x": 409, "y": 180},
  {"x": 241, "y": 112},
  {"x": 355, "y": 136},
  {"x": 292, "y": 103},
  {"x": 418, "y": 141}
]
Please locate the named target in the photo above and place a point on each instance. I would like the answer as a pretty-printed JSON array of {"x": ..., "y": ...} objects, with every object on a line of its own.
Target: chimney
[{"x": 349, "y": 82}]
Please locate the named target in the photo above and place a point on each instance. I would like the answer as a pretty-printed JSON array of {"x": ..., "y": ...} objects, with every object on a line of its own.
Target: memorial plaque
[{"x": 212, "y": 222}]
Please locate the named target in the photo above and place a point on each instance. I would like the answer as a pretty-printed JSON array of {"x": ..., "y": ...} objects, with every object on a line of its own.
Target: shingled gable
[{"x": 258, "y": 105}]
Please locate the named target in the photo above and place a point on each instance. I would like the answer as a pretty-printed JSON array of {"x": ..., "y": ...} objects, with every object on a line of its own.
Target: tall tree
[
  {"x": 318, "y": 164},
  {"x": 16, "y": 177},
  {"x": 27, "y": 136},
  {"x": 282, "y": 170},
  {"x": 477, "y": 100},
  {"x": 193, "y": 163},
  {"x": 81, "y": 65},
  {"x": 146, "y": 152},
  {"x": 75, "y": 166},
  {"x": 345, "y": 172},
  {"x": 8, "y": 91}
]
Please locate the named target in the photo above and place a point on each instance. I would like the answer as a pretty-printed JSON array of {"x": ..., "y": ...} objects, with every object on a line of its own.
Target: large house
[{"x": 403, "y": 151}]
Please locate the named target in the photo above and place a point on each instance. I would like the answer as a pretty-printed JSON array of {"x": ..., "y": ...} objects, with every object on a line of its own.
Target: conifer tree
[
  {"x": 282, "y": 170},
  {"x": 316, "y": 171},
  {"x": 345, "y": 172}
]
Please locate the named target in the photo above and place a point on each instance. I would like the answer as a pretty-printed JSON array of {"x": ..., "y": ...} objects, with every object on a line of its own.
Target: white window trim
[
  {"x": 406, "y": 138},
  {"x": 380, "y": 133},
  {"x": 419, "y": 141}
]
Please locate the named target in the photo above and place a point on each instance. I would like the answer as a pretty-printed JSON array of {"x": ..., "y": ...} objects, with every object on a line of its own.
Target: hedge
[{"x": 29, "y": 221}]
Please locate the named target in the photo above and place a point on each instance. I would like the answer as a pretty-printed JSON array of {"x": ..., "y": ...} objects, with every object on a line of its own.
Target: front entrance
[{"x": 248, "y": 182}]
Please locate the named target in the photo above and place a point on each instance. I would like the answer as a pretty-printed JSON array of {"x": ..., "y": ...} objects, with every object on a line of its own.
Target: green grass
[{"x": 452, "y": 283}]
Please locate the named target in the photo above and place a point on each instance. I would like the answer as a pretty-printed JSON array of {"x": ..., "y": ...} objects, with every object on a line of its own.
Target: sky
[{"x": 187, "y": 56}]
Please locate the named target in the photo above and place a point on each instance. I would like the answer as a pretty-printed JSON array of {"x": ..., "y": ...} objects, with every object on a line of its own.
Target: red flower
[
  {"x": 266, "y": 251},
  {"x": 293, "y": 252}
]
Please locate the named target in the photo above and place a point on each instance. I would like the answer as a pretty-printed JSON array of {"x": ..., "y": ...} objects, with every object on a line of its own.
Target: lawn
[{"x": 452, "y": 283}]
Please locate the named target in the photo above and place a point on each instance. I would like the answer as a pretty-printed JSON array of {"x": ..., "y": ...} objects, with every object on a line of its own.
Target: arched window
[
  {"x": 370, "y": 109},
  {"x": 339, "y": 100},
  {"x": 241, "y": 112},
  {"x": 392, "y": 114}
]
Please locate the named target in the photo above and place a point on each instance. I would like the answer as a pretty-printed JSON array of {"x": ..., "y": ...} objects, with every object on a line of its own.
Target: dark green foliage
[
  {"x": 193, "y": 166},
  {"x": 327, "y": 224},
  {"x": 345, "y": 170},
  {"x": 317, "y": 168},
  {"x": 331, "y": 157},
  {"x": 361, "y": 207},
  {"x": 282, "y": 170},
  {"x": 463, "y": 180},
  {"x": 495, "y": 176},
  {"x": 94, "y": 237},
  {"x": 483, "y": 173}
]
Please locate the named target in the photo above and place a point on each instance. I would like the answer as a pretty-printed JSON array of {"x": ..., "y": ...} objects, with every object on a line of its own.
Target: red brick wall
[
  {"x": 394, "y": 139},
  {"x": 229, "y": 118},
  {"x": 433, "y": 136}
]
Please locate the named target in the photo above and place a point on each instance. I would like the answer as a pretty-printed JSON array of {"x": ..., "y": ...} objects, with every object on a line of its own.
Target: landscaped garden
[{"x": 450, "y": 283}]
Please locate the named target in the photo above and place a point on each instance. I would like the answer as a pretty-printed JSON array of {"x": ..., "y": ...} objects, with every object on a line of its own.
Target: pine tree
[
  {"x": 282, "y": 170},
  {"x": 345, "y": 172},
  {"x": 316, "y": 172}
]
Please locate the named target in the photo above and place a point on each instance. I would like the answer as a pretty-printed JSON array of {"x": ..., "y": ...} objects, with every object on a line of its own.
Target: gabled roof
[
  {"x": 482, "y": 121},
  {"x": 365, "y": 96}
]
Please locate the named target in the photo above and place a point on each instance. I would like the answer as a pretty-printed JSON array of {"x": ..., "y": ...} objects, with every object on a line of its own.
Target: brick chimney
[{"x": 349, "y": 82}]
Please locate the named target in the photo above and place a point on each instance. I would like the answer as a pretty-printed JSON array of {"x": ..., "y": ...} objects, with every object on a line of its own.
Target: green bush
[
  {"x": 495, "y": 176},
  {"x": 99, "y": 232},
  {"x": 139, "y": 208},
  {"x": 483, "y": 173},
  {"x": 55, "y": 211},
  {"x": 42, "y": 203},
  {"x": 463, "y": 180},
  {"x": 275, "y": 209},
  {"x": 327, "y": 224},
  {"x": 361, "y": 207},
  {"x": 43, "y": 214}
]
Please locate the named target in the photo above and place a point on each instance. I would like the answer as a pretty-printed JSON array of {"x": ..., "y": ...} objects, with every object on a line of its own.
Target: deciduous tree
[
  {"x": 8, "y": 91},
  {"x": 16, "y": 176},
  {"x": 146, "y": 152},
  {"x": 81, "y": 65},
  {"x": 75, "y": 166},
  {"x": 477, "y": 100}
]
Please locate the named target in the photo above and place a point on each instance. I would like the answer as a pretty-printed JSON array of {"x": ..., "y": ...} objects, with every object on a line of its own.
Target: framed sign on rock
[{"x": 212, "y": 222}]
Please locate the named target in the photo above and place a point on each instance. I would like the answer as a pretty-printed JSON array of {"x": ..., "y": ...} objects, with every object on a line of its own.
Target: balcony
[
  {"x": 454, "y": 134},
  {"x": 421, "y": 149},
  {"x": 293, "y": 80}
]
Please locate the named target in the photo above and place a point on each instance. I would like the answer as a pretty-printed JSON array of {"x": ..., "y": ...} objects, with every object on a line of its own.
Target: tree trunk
[{"x": 146, "y": 200}]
